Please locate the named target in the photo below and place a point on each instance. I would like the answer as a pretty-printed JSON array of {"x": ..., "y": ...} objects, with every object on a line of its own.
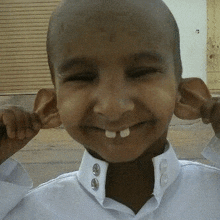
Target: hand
[
  {"x": 210, "y": 112},
  {"x": 17, "y": 128}
]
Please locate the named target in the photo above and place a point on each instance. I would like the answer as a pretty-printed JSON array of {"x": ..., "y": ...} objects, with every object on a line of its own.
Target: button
[
  {"x": 95, "y": 184},
  {"x": 163, "y": 166},
  {"x": 96, "y": 169},
  {"x": 164, "y": 180}
]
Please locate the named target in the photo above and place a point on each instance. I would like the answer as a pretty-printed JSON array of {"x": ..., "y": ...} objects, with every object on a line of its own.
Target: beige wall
[{"x": 213, "y": 45}]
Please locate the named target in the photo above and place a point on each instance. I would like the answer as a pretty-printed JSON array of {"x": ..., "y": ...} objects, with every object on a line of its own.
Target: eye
[
  {"x": 141, "y": 72},
  {"x": 82, "y": 77}
]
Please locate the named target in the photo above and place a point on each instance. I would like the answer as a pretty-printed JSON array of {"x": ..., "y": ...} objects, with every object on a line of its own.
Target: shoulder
[
  {"x": 198, "y": 168},
  {"x": 195, "y": 192},
  {"x": 197, "y": 183},
  {"x": 63, "y": 182},
  {"x": 201, "y": 176},
  {"x": 48, "y": 199},
  {"x": 54, "y": 191}
]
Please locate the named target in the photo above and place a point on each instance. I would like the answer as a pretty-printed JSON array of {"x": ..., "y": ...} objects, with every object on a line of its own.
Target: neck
[{"x": 132, "y": 183}]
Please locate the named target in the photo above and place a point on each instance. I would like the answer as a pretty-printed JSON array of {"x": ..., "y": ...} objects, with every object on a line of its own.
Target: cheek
[
  {"x": 160, "y": 98},
  {"x": 72, "y": 106},
  {"x": 166, "y": 105}
]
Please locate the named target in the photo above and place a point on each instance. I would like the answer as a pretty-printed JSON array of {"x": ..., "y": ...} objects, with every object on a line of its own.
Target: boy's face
[{"x": 113, "y": 74}]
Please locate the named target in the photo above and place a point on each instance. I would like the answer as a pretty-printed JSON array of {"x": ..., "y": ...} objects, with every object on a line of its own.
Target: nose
[{"x": 113, "y": 102}]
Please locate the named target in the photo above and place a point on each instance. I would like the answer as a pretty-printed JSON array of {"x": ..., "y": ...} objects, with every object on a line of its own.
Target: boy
[{"x": 116, "y": 69}]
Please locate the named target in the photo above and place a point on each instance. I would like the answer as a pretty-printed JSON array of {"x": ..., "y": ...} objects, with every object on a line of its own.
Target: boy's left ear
[
  {"x": 192, "y": 94},
  {"x": 46, "y": 107}
]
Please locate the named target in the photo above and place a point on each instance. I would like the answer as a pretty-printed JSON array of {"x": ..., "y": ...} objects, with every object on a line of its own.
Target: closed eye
[
  {"x": 83, "y": 77},
  {"x": 141, "y": 72}
]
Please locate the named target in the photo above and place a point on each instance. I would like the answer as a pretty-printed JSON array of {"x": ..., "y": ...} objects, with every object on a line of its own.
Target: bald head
[{"x": 147, "y": 17}]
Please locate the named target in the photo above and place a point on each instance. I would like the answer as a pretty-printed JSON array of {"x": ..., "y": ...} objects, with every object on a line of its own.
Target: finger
[
  {"x": 3, "y": 130},
  {"x": 206, "y": 110},
  {"x": 28, "y": 125},
  {"x": 33, "y": 125},
  {"x": 215, "y": 113},
  {"x": 205, "y": 120},
  {"x": 215, "y": 117},
  {"x": 36, "y": 122},
  {"x": 9, "y": 120},
  {"x": 20, "y": 123},
  {"x": 216, "y": 128}
]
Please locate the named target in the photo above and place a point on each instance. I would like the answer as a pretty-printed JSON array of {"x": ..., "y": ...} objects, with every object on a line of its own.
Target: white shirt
[{"x": 183, "y": 190}]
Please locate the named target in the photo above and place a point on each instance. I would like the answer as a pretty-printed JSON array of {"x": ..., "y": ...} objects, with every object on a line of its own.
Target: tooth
[
  {"x": 110, "y": 134},
  {"x": 125, "y": 133}
]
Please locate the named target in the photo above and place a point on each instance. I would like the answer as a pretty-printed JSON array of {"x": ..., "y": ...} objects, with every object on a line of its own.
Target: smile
[
  {"x": 126, "y": 131},
  {"x": 112, "y": 134},
  {"x": 120, "y": 132}
]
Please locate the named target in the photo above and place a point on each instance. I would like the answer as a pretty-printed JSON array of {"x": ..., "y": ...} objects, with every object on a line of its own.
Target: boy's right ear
[{"x": 46, "y": 107}]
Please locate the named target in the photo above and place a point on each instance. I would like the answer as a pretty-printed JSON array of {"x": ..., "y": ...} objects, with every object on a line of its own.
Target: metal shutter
[{"x": 23, "y": 59}]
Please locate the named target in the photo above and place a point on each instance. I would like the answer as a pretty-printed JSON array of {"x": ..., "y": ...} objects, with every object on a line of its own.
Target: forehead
[{"x": 96, "y": 28}]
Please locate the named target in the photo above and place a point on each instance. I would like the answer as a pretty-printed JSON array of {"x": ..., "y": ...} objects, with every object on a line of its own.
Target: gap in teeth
[{"x": 112, "y": 134}]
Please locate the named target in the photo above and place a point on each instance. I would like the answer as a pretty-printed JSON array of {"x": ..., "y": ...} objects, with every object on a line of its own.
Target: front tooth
[
  {"x": 125, "y": 133},
  {"x": 110, "y": 134}
]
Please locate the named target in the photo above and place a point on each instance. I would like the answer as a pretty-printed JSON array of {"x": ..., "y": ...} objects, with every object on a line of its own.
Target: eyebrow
[
  {"x": 136, "y": 57},
  {"x": 152, "y": 56},
  {"x": 70, "y": 63}
]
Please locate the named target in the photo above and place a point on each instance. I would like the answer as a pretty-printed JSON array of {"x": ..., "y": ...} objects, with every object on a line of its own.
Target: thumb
[{"x": 209, "y": 110}]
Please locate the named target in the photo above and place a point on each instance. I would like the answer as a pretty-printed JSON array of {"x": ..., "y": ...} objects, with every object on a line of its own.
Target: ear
[
  {"x": 192, "y": 94},
  {"x": 46, "y": 107}
]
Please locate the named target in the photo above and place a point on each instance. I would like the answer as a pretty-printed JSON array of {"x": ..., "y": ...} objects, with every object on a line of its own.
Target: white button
[
  {"x": 96, "y": 170},
  {"x": 95, "y": 184},
  {"x": 163, "y": 165},
  {"x": 164, "y": 180}
]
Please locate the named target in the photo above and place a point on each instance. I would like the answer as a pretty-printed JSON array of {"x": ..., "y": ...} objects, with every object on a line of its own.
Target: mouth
[
  {"x": 124, "y": 131},
  {"x": 112, "y": 134}
]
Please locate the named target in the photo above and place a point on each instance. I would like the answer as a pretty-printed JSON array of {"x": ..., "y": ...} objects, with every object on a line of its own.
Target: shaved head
[{"x": 148, "y": 17}]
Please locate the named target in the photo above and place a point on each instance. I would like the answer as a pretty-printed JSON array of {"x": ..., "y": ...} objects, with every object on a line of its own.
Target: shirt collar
[
  {"x": 92, "y": 174},
  {"x": 166, "y": 170}
]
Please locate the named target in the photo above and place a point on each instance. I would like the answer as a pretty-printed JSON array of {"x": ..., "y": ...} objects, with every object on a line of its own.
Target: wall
[
  {"x": 192, "y": 21},
  {"x": 23, "y": 25},
  {"x": 213, "y": 44},
  {"x": 23, "y": 29}
]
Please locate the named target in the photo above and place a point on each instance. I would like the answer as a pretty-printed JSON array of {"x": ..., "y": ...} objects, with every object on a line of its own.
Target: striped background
[{"x": 23, "y": 59}]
